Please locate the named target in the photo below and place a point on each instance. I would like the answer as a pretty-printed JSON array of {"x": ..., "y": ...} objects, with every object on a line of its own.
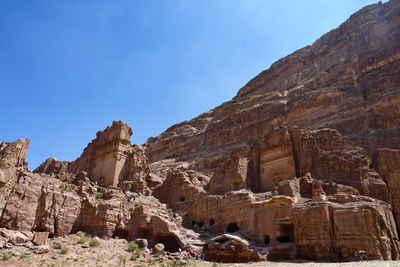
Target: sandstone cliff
[
  {"x": 347, "y": 80},
  {"x": 303, "y": 162}
]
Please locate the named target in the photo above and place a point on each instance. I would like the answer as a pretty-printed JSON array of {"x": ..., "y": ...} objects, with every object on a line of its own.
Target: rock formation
[
  {"x": 303, "y": 163},
  {"x": 63, "y": 204},
  {"x": 347, "y": 80}
]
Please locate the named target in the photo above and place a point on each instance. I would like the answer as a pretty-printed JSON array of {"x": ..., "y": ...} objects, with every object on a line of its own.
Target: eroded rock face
[
  {"x": 13, "y": 154},
  {"x": 324, "y": 154},
  {"x": 333, "y": 232},
  {"x": 110, "y": 160},
  {"x": 286, "y": 164},
  {"x": 231, "y": 175},
  {"x": 273, "y": 160},
  {"x": 52, "y": 166},
  {"x": 34, "y": 202},
  {"x": 230, "y": 248},
  {"x": 347, "y": 80},
  {"x": 104, "y": 158},
  {"x": 388, "y": 164},
  {"x": 181, "y": 186}
]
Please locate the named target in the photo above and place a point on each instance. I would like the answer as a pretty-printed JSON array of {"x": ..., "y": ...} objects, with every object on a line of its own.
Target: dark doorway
[
  {"x": 286, "y": 233},
  {"x": 211, "y": 222},
  {"x": 170, "y": 242},
  {"x": 143, "y": 233},
  {"x": 232, "y": 227},
  {"x": 267, "y": 240},
  {"x": 121, "y": 234}
]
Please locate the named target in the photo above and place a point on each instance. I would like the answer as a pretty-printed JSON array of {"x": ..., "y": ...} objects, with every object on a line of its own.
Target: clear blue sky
[{"x": 69, "y": 68}]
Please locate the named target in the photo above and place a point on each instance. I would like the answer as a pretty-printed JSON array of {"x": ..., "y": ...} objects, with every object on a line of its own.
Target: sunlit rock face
[
  {"x": 13, "y": 154},
  {"x": 304, "y": 162},
  {"x": 105, "y": 157},
  {"x": 347, "y": 80}
]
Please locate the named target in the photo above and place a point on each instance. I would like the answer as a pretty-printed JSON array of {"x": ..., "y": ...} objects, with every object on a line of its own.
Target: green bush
[
  {"x": 274, "y": 193},
  {"x": 64, "y": 188},
  {"x": 81, "y": 240},
  {"x": 134, "y": 256},
  {"x": 4, "y": 256},
  {"x": 99, "y": 196},
  {"x": 63, "y": 250},
  {"x": 122, "y": 260},
  {"x": 94, "y": 242},
  {"x": 133, "y": 246},
  {"x": 57, "y": 246}
]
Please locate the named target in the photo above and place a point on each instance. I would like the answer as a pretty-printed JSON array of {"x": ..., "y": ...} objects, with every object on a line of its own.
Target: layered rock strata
[
  {"x": 347, "y": 80},
  {"x": 303, "y": 162}
]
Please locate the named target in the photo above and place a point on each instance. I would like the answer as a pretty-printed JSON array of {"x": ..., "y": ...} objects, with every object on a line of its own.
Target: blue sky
[{"x": 69, "y": 68}]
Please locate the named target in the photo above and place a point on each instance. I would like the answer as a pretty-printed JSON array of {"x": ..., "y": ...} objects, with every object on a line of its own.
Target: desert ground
[{"x": 82, "y": 250}]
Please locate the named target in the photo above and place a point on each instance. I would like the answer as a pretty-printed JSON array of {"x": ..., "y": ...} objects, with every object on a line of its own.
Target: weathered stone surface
[
  {"x": 347, "y": 80},
  {"x": 181, "y": 186},
  {"x": 289, "y": 188},
  {"x": 334, "y": 188},
  {"x": 159, "y": 247},
  {"x": 52, "y": 166},
  {"x": 387, "y": 162},
  {"x": 256, "y": 215},
  {"x": 272, "y": 160},
  {"x": 287, "y": 163},
  {"x": 136, "y": 170},
  {"x": 13, "y": 154},
  {"x": 230, "y": 176},
  {"x": 108, "y": 160},
  {"x": 18, "y": 238},
  {"x": 40, "y": 238},
  {"x": 43, "y": 249},
  {"x": 228, "y": 249},
  {"x": 104, "y": 158},
  {"x": 333, "y": 232},
  {"x": 322, "y": 154},
  {"x": 31, "y": 202}
]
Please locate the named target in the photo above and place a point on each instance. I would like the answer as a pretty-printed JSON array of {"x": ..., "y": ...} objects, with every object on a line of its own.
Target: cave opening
[
  {"x": 232, "y": 228},
  {"x": 211, "y": 223},
  {"x": 267, "y": 239},
  {"x": 170, "y": 242},
  {"x": 286, "y": 233},
  {"x": 124, "y": 234},
  {"x": 144, "y": 233}
]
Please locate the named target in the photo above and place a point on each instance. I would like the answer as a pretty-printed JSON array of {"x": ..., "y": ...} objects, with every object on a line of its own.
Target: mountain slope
[{"x": 348, "y": 80}]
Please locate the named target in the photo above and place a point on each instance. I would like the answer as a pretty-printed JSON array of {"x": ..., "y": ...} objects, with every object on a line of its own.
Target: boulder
[
  {"x": 158, "y": 248},
  {"x": 42, "y": 249},
  {"x": 228, "y": 248},
  {"x": 40, "y": 238},
  {"x": 18, "y": 238}
]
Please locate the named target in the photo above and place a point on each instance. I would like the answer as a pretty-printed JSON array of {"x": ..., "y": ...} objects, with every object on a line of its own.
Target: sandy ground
[{"x": 76, "y": 251}]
